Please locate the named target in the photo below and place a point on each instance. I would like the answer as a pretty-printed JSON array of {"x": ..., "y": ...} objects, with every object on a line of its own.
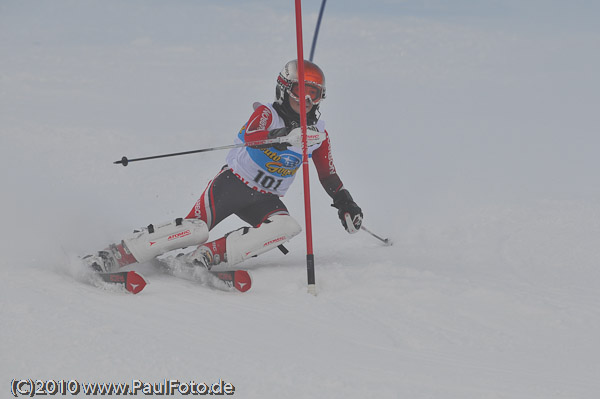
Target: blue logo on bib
[{"x": 290, "y": 161}]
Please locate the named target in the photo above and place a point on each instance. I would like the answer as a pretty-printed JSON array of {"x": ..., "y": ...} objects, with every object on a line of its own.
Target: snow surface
[{"x": 469, "y": 136}]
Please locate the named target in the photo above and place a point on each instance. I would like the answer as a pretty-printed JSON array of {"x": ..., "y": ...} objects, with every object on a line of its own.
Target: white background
[{"x": 468, "y": 133}]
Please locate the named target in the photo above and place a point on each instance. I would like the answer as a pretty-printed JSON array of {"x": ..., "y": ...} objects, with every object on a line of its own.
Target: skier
[{"x": 250, "y": 186}]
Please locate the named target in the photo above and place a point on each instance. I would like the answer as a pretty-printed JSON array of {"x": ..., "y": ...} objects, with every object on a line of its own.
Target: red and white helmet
[{"x": 314, "y": 82}]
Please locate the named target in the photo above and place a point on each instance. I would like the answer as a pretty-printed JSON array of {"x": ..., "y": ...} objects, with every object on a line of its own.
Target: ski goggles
[{"x": 312, "y": 91}]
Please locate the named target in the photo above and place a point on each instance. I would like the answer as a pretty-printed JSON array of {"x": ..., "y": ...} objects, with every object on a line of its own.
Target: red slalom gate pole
[{"x": 310, "y": 258}]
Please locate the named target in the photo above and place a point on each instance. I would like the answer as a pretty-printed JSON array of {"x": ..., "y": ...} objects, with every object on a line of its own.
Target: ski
[
  {"x": 131, "y": 281},
  {"x": 226, "y": 280},
  {"x": 238, "y": 279}
]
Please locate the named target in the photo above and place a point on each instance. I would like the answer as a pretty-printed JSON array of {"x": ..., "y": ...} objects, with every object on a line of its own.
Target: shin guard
[
  {"x": 153, "y": 241},
  {"x": 248, "y": 242}
]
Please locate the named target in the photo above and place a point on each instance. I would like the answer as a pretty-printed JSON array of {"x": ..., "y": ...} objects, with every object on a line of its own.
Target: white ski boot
[
  {"x": 102, "y": 262},
  {"x": 202, "y": 256}
]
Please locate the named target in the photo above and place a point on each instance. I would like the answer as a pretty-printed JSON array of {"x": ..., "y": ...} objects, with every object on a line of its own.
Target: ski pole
[
  {"x": 314, "y": 42},
  {"x": 125, "y": 161},
  {"x": 386, "y": 241}
]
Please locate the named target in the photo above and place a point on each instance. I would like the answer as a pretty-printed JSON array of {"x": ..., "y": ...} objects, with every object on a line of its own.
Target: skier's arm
[
  {"x": 349, "y": 212},
  {"x": 256, "y": 129},
  {"x": 328, "y": 176}
]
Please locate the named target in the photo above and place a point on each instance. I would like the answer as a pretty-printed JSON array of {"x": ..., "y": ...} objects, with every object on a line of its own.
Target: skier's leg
[
  {"x": 215, "y": 204},
  {"x": 247, "y": 242},
  {"x": 150, "y": 242},
  {"x": 155, "y": 240},
  {"x": 226, "y": 194},
  {"x": 273, "y": 226}
]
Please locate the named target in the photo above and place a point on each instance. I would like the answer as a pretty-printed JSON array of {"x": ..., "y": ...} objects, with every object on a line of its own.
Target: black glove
[{"x": 349, "y": 213}]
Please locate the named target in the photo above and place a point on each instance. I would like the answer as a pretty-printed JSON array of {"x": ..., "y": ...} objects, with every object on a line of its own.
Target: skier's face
[
  {"x": 296, "y": 105},
  {"x": 312, "y": 90}
]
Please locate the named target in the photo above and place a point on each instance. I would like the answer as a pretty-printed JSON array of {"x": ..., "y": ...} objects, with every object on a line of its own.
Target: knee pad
[
  {"x": 156, "y": 240},
  {"x": 248, "y": 242}
]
